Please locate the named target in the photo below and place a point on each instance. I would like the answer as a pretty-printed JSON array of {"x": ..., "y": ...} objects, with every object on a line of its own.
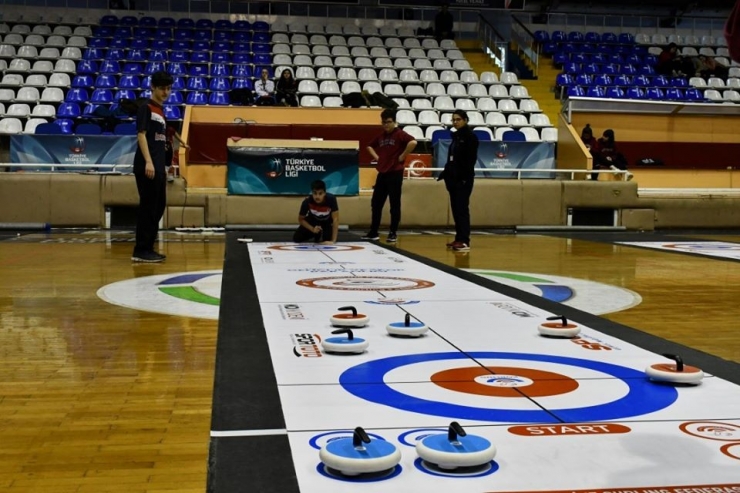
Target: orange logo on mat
[{"x": 570, "y": 429}]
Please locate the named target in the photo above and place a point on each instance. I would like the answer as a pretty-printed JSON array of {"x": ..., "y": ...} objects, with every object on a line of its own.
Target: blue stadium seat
[
  {"x": 48, "y": 129},
  {"x": 104, "y": 81},
  {"x": 200, "y": 57},
  {"x": 87, "y": 67},
  {"x": 628, "y": 69},
  {"x": 176, "y": 68},
  {"x": 655, "y": 93},
  {"x": 260, "y": 48},
  {"x": 128, "y": 20},
  {"x": 558, "y": 36},
  {"x": 591, "y": 68},
  {"x": 641, "y": 50},
  {"x": 261, "y": 38},
  {"x": 549, "y": 47},
  {"x": 148, "y": 21},
  {"x": 83, "y": 81},
  {"x": 564, "y": 80},
  {"x": 661, "y": 81},
  {"x": 163, "y": 33},
  {"x": 109, "y": 67},
  {"x": 172, "y": 112},
  {"x": 146, "y": 93},
  {"x": 76, "y": 95},
  {"x": 119, "y": 43},
  {"x": 605, "y": 48},
  {"x": 270, "y": 71},
  {"x": 260, "y": 26},
  {"x": 224, "y": 36},
  {"x": 570, "y": 48},
  {"x": 184, "y": 34},
  {"x": 262, "y": 59},
  {"x": 576, "y": 36},
  {"x": 221, "y": 57},
  {"x": 90, "y": 109},
  {"x": 599, "y": 58},
  {"x": 65, "y": 124},
  {"x": 673, "y": 94},
  {"x": 133, "y": 68},
  {"x": 88, "y": 129},
  {"x": 542, "y": 36},
  {"x": 615, "y": 58},
  {"x": 201, "y": 45},
  {"x": 635, "y": 93},
  {"x": 679, "y": 82},
  {"x": 220, "y": 98},
  {"x": 580, "y": 57},
  {"x": 123, "y": 32},
  {"x": 202, "y": 34},
  {"x": 246, "y": 37},
  {"x": 240, "y": 26},
  {"x": 178, "y": 83},
  {"x": 135, "y": 55},
  {"x": 596, "y": 92},
  {"x": 198, "y": 70},
  {"x": 158, "y": 56},
  {"x": 102, "y": 96},
  {"x": 189, "y": 23},
  {"x": 141, "y": 38},
  {"x": 206, "y": 23},
  {"x": 645, "y": 70},
  {"x": 92, "y": 54},
  {"x": 622, "y": 80},
  {"x": 560, "y": 59},
  {"x": 614, "y": 93},
  {"x": 124, "y": 94},
  {"x": 221, "y": 46},
  {"x": 175, "y": 98},
  {"x": 572, "y": 68},
  {"x": 642, "y": 81},
  {"x": 634, "y": 59},
  {"x": 114, "y": 54},
  {"x": 220, "y": 84},
  {"x": 197, "y": 84},
  {"x": 166, "y": 22},
  {"x": 241, "y": 58},
  {"x": 650, "y": 60},
  {"x": 441, "y": 135},
  {"x": 592, "y": 37},
  {"x": 109, "y": 20},
  {"x": 125, "y": 129},
  {"x": 68, "y": 110},
  {"x": 241, "y": 83},
  {"x": 161, "y": 44},
  {"x": 576, "y": 91},
  {"x": 103, "y": 31},
  {"x": 220, "y": 70},
  {"x": 97, "y": 43},
  {"x": 584, "y": 80},
  {"x": 129, "y": 82},
  {"x": 179, "y": 56},
  {"x": 514, "y": 136},
  {"x": 197, "y": 98},
  {"x": 603, "y": 80},
  {"x": 694, "y": 95},
  {"x": 626, "y": 38},
  {"x": 608, "y": 37},
  {"x": 611, "y": 69}
]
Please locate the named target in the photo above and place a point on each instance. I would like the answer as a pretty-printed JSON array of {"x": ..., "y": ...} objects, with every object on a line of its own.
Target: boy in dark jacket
[{"x": 459, "y": 174}]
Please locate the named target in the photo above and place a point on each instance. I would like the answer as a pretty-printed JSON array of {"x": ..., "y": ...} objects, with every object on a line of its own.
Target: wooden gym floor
[{"x": 100, "y": 398}]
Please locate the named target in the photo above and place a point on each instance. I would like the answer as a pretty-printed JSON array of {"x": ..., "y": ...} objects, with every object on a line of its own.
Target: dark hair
[
  {"x": 162, "y": 79},
  {"x": 318, "y": 185},
  {"x": 672, "y": 45},
  {"x": 388, "y": 113},
  {"x": 587, "y": 130},
  {"x": 462, "y": 114}
]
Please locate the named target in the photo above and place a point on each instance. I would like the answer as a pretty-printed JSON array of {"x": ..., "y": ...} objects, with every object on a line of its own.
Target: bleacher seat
[{"x": 47, "y": 129}]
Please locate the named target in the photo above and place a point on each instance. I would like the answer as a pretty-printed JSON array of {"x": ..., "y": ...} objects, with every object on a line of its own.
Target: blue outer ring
[
  {"x": 418, "y": 463},
  {"x": 380, "y": 448},
  {"x": 344, "y": 340},
  {"x": 314, "y": 441},
  {"x": 643, "y": 397},
  {"x": 358, "y": 479}
]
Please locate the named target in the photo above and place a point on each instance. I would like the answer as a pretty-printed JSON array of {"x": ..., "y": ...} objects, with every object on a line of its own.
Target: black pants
[
  {"x": 302, "y": 234},
  {"x": 460, "y": 203},
  {"x": 290, "y": 99},
  {"x": 387, "y": 185},
  {"x": 152, "y": 202}
]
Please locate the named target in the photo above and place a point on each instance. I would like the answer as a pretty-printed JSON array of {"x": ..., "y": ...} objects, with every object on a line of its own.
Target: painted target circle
[
  {"x": 712, "y": 430},
  {"x": 731, "y": 450},
  {"x": 504, "y": 382},
  {"x": 322, "y": 439},
  {"x": 709, "y": 246},
  {"x": 634, "y": 403},
  {"x": 311, "y": 248},
  {"x": 365, "y": 283},
  {"x": 461, "y": 473}
]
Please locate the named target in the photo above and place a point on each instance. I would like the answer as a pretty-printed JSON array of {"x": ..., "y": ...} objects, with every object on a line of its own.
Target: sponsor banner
[
  {"x": 75, "y": 150},
  {"x": 699, "y": 488},
  {"x": 502, "y": 159},
  {"x": 477, "y": 4},
  {"x": 277, "y": 171}
]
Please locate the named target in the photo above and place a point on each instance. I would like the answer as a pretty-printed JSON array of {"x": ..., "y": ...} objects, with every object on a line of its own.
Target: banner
[
  {"x": 290, "y": 171},
  {"x": 74, "y": 149},
  {"x": 503, "y": 157},
  {"x": 478, "y": 4}
]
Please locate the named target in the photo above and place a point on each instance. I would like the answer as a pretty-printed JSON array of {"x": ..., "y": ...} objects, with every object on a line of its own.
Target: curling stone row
[{"x": 359, "y": 454}]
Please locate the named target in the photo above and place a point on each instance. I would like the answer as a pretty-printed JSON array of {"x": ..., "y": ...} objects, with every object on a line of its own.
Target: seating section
[
  {"x": 607, "y": 65},
  {"x": 75, "y": 74}
]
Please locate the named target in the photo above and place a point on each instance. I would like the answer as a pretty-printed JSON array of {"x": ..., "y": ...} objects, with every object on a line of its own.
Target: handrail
[
  {"x": 526, "y": 43},
  {"x": 492, "y": 42},
  {"x": 410, "y": 173}
]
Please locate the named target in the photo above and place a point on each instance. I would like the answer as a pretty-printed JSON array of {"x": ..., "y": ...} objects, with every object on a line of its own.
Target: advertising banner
[
  {"x": 74, "y": 150},
  {"x": 290, "y": 171},
  {"x": 502, "y": 159}
]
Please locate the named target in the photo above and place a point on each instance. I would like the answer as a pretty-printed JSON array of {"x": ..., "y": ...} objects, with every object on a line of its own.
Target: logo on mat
[
  {"x": 291, "y": 311},
  {"x": 276, "y": 168},
  {"x": 79, "y": 145},
  {"x": 365, "y": 283},
  {"x": 513, "y": 309},
  {"x": 306, "y": 345},
  {"x": 392, "y": 301}
]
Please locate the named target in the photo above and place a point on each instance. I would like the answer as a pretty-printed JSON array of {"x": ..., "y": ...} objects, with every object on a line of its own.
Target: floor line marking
[{"x": 248, "y": 433}]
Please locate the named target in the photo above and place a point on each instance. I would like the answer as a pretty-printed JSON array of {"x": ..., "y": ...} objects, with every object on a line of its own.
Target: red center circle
[{"x": 544, "y": 384}]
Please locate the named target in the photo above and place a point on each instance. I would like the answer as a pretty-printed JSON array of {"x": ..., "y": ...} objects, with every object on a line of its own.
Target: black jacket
[{"x": 462, "y": 156}]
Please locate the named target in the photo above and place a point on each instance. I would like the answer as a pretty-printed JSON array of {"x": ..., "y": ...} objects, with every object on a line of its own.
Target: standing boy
[
  {"x": 149, "y": 168},
  {"x": 318, "y": 217},
  {"x": 389, "y": 149}
]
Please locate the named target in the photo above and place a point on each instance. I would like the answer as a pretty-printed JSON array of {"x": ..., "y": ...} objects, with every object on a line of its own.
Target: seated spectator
[
  {"x": 607, "y": 156},
  {"x": 286, "y": 89},
  {"x": 265, "y": 90},
  {"x": 672, "y": 64},
  {"x": 587, "y": 137},
  {"x": 443, "y": 24},
  {"x": 711, "y": 68}
]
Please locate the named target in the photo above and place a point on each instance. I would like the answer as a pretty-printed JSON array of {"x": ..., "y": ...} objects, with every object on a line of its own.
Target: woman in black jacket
[
  {"x": 459, "y": 174},
  {"x": 286, "y": 89}
]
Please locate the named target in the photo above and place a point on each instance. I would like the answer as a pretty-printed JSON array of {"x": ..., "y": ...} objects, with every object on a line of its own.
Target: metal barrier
[{"x": 411, "y": 173}]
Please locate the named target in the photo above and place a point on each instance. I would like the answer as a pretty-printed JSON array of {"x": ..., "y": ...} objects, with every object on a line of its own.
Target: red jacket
[
  {"x": 732, "y": 32},
  {"x": 389, "y": 147}
]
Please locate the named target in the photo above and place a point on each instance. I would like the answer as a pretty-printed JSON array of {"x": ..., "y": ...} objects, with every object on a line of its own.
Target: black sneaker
[
  {"x": 148, "y": 257},
  {"x": 392, "y": 238},
  {"x": 372, "y": 236},
  {"x": 162, "y": 255}
]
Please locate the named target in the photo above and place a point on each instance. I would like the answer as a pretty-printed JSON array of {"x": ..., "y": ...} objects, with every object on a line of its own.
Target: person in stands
[
  {"x": 607, "y": 156},
  {"x": 286, "y": 89}
]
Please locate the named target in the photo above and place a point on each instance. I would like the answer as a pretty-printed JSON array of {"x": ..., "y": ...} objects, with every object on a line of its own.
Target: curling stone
[
  {"x": 562, "y": 329},
  {"x": 678, "y": 373},
  {"x": 407, "y": 328},
  {"x": 360, "y": 455},
  {"x": 345, "y": 345},
  {"x": 353, "y": 319},
  {"x": 455, "y": 449}
]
